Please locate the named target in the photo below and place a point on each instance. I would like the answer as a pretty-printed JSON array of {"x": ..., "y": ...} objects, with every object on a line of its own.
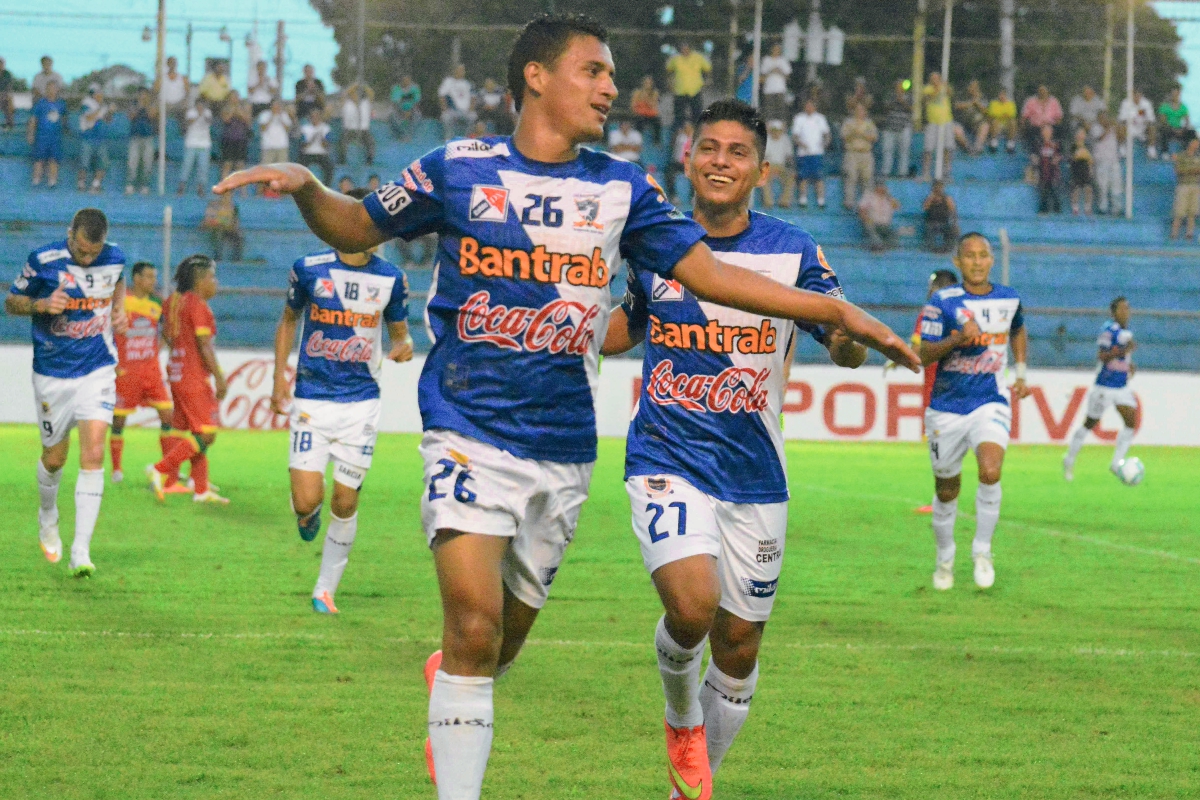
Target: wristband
[{"x": 1020, "y": 370}]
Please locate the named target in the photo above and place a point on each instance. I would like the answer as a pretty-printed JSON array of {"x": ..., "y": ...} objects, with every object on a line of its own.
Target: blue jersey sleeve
[
  {"x": 297, "y": 296},
  {"x": 30, "y": 282},
  {"x": 1018, "y": 320},
  {"x": 936, "y": 322},
  {"x": 397, "y": 307},
  {"x": 817, "y": 276},
  {"x": 656, "y": 235},
  {"x": 635, "y": 306},
  {"x": 1107, "y": 338},
  {"x": 413, "y": 204}
]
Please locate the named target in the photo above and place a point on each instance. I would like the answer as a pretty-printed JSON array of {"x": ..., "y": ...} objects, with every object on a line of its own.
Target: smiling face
[
  {"x": 974, "y": 260},
  {"x": 724, "y": 165},
  {"x": 577, "y": 91}
]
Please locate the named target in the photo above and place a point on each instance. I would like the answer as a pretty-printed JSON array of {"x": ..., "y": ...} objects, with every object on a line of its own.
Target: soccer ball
[{"x": 1131, "y": 471}]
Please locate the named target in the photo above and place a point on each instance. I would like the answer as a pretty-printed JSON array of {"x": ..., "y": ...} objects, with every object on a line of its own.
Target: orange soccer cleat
[
  {"x": 432, "y": 665},
  {"x": 687, "y": 762}
]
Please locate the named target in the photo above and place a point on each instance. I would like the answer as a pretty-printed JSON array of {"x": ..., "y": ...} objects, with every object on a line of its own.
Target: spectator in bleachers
[
  {"x": 876, "y": 211},
  {"x": 1039, "y": 110},
  {"x": 310, "y": 93},
  {"x": 457, "y": 100},
  {"x": 223, "y": 221},
  {"x": 897, "y": 131},
  {"x": 356, "y": 122},
  {"x": 373, "y": 182},
  {"x": 972, "y": 111},
  {"x": 345, "y": 184},
  {"x": 1049, "y": 163},
  {"x": 214, "y": 86},
  {"x": 7, "y": 83},
  {"x": 46, "y": 77},
  {"x": 261, "y": 90},
  {"x": 625, "y": 142},
  {"x": 94, "y": 117},
  {"x": 143, "y": 126},
  {"x": 941, "y": 220},
  {"x": 275, "y": 127},
  {"x": 314, "y": 144},
  {"x": 1083, "y": 173},
  {"x": 858, "y": 159},
  {"x": 1002, "y": 121},
  {"x": 939, "y": 125},
  {"x": 775, "y": 71},
  {"x": 1137, "y": 115},
  {"x": 45, "y": 132},
  {"x": 811, "y": 133},
  {"x": 645, "y": 110},
  {"x": 176, "y": 87},
  {"x": 1110, "y": 181},
  {"x": 1084, "y": 108},
  {"x": 1187, "y": 189},
  {"x": 478, "y": 130},
  {"x": 406, "y": 108},
  {"x": 859, "y": 97},
  {"x": 197, "y": 146},
  {"x": 1174, "y": 124},
  {"x": 689, "y": 71},
  {"x": 493, "y": 107},
  {"x": 679, "y": 152},
  {"x": 780, "y": 154},
  {"x": 237, "y": 128}
]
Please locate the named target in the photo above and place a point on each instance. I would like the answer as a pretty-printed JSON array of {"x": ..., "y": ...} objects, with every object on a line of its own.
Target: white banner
[{"x": 822, "y": 402}]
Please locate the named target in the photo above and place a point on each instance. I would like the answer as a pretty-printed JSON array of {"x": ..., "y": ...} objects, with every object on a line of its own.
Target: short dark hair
[
  {"x": 942, "y": 278},
  {"x": 359, "y": 193},
  {"x": 189, "y": 269},
  {"x": 971, "y": 235},
  {"x": 733, "y": 110},
  {"x": 543, "y": 40},
  {"x": 91, "y": 222},
  {"x": 141, "y": 267},
  {"x": 1112, "y": 307}
]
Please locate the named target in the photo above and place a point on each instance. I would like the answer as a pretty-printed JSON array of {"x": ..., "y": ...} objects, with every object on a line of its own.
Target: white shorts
[
  {"x": 1101, "y": 397},
  {"x": 345, "y": 432},
  {"x": 674, "y": 520},
  {"x": 62, "y": 402},
  {"x": 474, "y": 487},
  {"x": 952, "y": 435}
]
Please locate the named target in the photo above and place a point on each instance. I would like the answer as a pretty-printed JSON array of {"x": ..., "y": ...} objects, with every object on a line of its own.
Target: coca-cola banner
[{"x": 822, "y": 402}]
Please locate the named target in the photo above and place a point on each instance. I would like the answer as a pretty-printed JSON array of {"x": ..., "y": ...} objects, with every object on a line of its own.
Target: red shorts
[
  {"x": 196, "y": 408},
  {"x": 141, "y": 386}
]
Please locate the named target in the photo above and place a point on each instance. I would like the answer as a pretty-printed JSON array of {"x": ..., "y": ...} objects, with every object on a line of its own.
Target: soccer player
[
  {"x": 139, "y": 376},
  {"x": 342, "y": 302},
  {"x": 1116, "y": 347},
  {"x": 966, "y": 330},
  {"x": 531, "y": 229},
  {"x": 190, "y": 329},
  {"x": 74, "y": 289},
  {"x": 710, "y": 501}
]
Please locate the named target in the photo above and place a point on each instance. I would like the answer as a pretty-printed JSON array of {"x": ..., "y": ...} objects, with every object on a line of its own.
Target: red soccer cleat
[
  {"x": 687, "y": 762},
  {"x": 432, "y": 665}
]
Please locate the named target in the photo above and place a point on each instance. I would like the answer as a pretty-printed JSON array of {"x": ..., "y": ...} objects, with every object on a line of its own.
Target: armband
[{"x": 1021, "y": 370}]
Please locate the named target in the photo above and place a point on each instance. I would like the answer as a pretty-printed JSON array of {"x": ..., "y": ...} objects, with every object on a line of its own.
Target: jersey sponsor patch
[
  {"x": 324, "y": 288},
  {"x": 753, "y": 588},
  {"x": 588, "y": 208},
  {"x": 489, "y": 204},
  {"x": 931, "y": 327},
  {"x": 666, "y": 289},
  {"x": 47, "y": 256},
  {"x": 67, "y": 281},
  {"x": 474, "y": 148},
  {"x": 394, "y": 198},
  {"x": 319, "y": 258}
]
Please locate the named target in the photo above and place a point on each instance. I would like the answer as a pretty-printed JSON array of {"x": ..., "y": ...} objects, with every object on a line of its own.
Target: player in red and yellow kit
[
  {"x": 190, "y": 328},
  {"x": 139, "y": 376}
]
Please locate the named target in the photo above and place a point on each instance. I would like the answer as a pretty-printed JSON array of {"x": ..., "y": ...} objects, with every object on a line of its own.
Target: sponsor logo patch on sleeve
[{"x": 394, "y": 198}]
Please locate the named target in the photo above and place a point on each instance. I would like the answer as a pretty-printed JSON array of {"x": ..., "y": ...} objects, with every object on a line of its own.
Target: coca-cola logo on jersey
[
  {"x": 987, "y": 362},
  {"x": 356, "y": 348},
  {"x": 80, "y": 328},
  {"x": 733, "y": 390},
  {"x": 532, "y": 330}
]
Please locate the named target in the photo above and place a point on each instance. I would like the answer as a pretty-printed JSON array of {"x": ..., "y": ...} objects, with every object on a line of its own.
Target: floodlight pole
[
  {"x": 733, "y": 48},
  {"x": 162, "y": 98},
  {"x": 918, "y": 65},
  {"x": 361, "y": 36},
  {"x": 1008, "y": 70},
  {"x": 939, "y": 157},
  {"x": 1109, "y": 13},
  {"x": 1129, "y": 36},
  {"x": 758, "y": 15}
]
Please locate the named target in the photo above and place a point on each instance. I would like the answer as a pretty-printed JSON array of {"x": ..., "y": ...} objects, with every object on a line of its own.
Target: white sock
[
  {"x": 1124, "y": 440},
  {"x": 1077, "y": 440},
  {"x": 339, "y": 538},
  {"x": 943, "y": 528},
  {"x": 987, "y": 514},
  {"x": 89, "y": 491},
  {"x": 460, "y": 730},
  {"x": 47, "y": 494},
  {"x": 726, "y": 704},
  {"x": 680, "y": 670}
]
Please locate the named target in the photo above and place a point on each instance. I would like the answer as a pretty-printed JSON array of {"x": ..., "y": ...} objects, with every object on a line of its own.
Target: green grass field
[{"x": 191, "y": 666}]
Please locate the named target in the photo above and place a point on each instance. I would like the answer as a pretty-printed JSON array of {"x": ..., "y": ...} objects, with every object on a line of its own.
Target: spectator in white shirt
[
  {"x": 876, "y": 210},
  {"x": 314, "y": 144},
  {"x": 493, "y": 108},
  {"x": 176, "y": 89},
  {"x": 775, "y": 70},
  {"x": 197, "y": 147},
  {"x": 457, "y": 100},
  {"x": 275, "y": 125},
  {"x": 262, "y": 89},
  {"x": 93, "y": 149},
  {"x": 811, "y": 133},
  {"x": 47, "y": 75},
  {"x": 1137, "y": 115},
  {"x": 780, "y": 155},
  {"x": 1110, "y": 180},
  {"x": 625, "y": 142},
  {"x": 356, "y": 122},
  {"x": 1084, "y": 109}
]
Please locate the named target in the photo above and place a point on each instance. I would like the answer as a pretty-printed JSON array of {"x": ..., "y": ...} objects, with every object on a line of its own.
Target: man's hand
[
  {"x": 120, "y": 321},
  {"x": 862, "y": 327},
  {"x": 402, "y": 351},
  {"x": 1019, "y": 390},
  {"x": 222, "y": 386},
  {"x": 283, "y": 178},
  {"x": 281, "y": 397},
  {"x": 970, "y": 331},
  {"x": 844, "y": 351},
  {"x": 56, "y": 303}
]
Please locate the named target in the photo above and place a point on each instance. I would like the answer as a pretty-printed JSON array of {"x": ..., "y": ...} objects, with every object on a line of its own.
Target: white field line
[
  {"x": 852, "y": 647},
  {"x": 1057, "y": 534}
]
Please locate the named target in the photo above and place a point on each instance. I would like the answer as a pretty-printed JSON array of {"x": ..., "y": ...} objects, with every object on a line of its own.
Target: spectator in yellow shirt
[
  {"x": 939, "y": 124},
  {"x": 1002, "y": 118},
  {"x": 214, "y": 86},
  {"x": 689, "y": 71}
]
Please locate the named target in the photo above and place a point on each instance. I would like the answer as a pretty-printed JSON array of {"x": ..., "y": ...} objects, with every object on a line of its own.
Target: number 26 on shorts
[
  {"x": 657, "y": 510},
  {"x": 461, "y": 493}
]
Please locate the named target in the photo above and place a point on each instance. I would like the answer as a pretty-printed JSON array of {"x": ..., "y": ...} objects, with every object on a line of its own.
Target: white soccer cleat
[
  {"x": 210, "y": 497},
  {"x": 158, "y": 482},
  {"x": 985, "y": 571},
  {"x": 118, "y": 476},
  {"x": 1068, "y": 469},
  {"x": 943, "y": 576},
  {"x": 51, "y": 543}
]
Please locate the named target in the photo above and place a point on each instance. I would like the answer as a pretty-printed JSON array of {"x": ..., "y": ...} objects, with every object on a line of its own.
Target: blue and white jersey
[
  {"x": 344, "y": 309},
  {"x": 1114, "y": 373},
  {"x": 972, "y": 376},
  {"x": 78, "y": 341},
  {"x": 520, "y": 300},
  {"x": 713, "y": 377}
]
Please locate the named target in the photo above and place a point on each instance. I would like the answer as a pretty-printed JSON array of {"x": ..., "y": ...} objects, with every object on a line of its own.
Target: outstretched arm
[{"x": 285, "y": 336}]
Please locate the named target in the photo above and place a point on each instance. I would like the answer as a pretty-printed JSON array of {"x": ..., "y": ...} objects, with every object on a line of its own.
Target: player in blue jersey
[
  {"x": 966, "y": 331},
  {"x": 74, "y": 289},
  {"x": 341, "y": 303},
  {"x": 1116, "y": 348},
  {"x": 704, "y": 463},
  {"x": 531, "y": 229}
]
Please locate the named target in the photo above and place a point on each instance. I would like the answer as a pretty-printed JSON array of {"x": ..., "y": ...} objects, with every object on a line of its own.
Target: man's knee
[
  {"x": 474, "y": 635},
  {"x": 989, "y": 473},
  {"x": 947, "y": 488},
  {"x": 53, "y": 459},
  {"x": 344, "y": 503},
  {"x": 692, "y": 615}
]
